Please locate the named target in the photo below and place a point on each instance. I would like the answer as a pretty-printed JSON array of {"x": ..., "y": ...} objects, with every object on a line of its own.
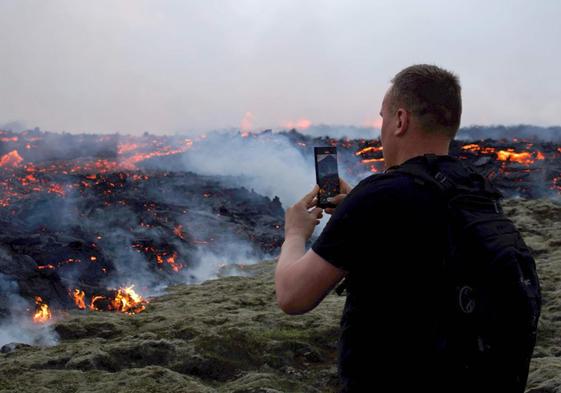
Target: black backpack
[{"x": 491, "y": 296}]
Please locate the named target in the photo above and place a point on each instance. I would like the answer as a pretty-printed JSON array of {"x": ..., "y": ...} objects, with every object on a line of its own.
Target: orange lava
[{"x": 11, "y": 159}]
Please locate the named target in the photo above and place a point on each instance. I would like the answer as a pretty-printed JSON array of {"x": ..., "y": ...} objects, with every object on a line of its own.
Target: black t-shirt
[{"x": 388, "y": 234}]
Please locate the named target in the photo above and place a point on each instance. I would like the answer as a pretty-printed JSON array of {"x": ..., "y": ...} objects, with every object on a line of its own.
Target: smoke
[
  {"x": 342, "y": 131},
  {"x": 16, "y": 326},
  {"x": 15, "y": 126},
  {"x": 546, "y": 134},
  {"x": 21, "y": 330},
  {"x": 471, "y": 133},
  {"x": 225, "y": 262},
  {"x": 270, "y": 165},
  {"x": 247, "y": 122}
]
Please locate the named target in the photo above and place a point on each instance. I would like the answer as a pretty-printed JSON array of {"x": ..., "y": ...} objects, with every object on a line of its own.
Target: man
[{"x": 385, "y": 236}]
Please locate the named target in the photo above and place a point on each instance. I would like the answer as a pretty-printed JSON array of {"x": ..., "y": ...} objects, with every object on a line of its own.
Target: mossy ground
[{"x": 228, "y": 335}]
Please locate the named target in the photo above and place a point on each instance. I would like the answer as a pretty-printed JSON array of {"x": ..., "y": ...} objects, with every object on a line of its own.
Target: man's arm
[{"x": 303, "y": 279}]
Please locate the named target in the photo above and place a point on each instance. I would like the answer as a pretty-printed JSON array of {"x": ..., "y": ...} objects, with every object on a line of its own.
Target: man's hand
[
  {"x": 298, "y": 220},
  {"x": 345, "y": 189}
]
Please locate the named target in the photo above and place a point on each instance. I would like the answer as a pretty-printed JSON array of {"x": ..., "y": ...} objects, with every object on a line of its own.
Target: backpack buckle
[{"x": 440, "y": 177}]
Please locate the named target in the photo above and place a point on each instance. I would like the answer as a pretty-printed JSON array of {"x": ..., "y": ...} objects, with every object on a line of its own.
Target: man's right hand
[{"x": 345, "y": 189}]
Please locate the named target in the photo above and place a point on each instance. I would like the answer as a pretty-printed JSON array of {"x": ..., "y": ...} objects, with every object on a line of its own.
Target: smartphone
[{"x": 327, "y": 174}]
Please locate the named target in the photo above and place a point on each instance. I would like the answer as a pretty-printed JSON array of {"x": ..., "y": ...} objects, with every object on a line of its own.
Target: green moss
[{"x": 228, "y": 335}]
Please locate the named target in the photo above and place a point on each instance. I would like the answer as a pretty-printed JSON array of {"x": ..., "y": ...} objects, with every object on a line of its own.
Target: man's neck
[{"x": 406, "y": 155}]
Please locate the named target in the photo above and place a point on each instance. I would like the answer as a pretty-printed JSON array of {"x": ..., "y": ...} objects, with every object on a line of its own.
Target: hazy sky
[{"x": 168, "y": 66}]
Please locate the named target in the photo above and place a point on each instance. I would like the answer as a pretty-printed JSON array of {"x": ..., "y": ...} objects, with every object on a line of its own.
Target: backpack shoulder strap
[{"x": 427, "y": 172}]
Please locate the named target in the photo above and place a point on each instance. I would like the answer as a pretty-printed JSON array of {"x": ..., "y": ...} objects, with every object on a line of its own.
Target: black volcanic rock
[{"x": 146, "y": 227}]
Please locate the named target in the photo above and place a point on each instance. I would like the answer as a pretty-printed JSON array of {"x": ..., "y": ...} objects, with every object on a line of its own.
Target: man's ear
[{"x": 402, "y": 122}]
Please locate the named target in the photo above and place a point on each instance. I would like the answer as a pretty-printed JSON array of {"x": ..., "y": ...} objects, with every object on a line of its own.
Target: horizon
[{"x": 186, "y": 67}]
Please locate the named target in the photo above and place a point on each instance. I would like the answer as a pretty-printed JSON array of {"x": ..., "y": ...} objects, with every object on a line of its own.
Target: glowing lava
[{"x": 11, "y": 159}]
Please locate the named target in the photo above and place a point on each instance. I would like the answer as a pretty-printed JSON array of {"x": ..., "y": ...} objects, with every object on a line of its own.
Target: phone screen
[{"x": 327, "y": 176}]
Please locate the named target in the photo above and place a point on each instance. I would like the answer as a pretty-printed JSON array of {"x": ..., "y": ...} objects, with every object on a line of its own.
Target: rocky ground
[{"x": 228, "y": 335}]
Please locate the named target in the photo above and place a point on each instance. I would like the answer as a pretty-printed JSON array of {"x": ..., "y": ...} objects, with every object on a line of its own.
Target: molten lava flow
[
  {"x": 178, "y": 231},
  {"x": 49, "y": 266},
  {"x": 11, "y": 159},
  {"x": 126, "y": 147},
  {"x": 56, "y": 189},
  {"x": 79, "y": 299},
  {"x": 130, "y": 162},
  {"x": 367, "y": 149},
  {"x": 367, "y": 160},
  {"x": 128, "y": 301},
  {"x": 42, "y": 311},
  {"x": 474, "y": 147},
  {"x": 175, "y": 265},
  {"x": 510, "y": 155}
]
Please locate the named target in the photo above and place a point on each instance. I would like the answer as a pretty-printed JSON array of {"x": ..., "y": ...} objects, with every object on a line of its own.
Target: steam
[
  {"x": 275, "y": 165},
  {"x": 342, "y": 131},
  {"x": 15, "y": 126},
  {"x": 546, "y": 134},
  {"x": 270, "y": 165},
  {"x": 226, "y": 262},
  {"x": 17, "y": 327}
]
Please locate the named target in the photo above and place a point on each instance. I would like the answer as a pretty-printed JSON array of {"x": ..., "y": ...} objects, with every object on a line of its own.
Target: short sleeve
[{"x": 343, "y": 239}]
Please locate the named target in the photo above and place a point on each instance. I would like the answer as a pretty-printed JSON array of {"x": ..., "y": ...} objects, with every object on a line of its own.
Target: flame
[
  {"x": 92, "y": 303},
  {"x": 42, "y": 311},
  {"x": 246, "y": 124},
  {"x": 11, "y": 159},
  {"x": 300, "y": 123},
  {"x": 374, "y": 123},
  {"x": 79, "y": 299},
  {"x": 128, "y": 301}
]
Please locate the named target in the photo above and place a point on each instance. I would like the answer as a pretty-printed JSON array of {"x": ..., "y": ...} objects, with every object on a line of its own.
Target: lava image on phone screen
[{"x": 327, "y": 176}]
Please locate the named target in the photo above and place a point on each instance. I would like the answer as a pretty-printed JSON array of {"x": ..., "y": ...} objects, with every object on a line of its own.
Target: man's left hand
[{"x": 298, "y": 220}]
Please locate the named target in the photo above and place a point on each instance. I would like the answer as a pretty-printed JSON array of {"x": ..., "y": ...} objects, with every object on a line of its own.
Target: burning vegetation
[
  {"x": 42, "y": 312},
  {"x": 124, "y": 299}
]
